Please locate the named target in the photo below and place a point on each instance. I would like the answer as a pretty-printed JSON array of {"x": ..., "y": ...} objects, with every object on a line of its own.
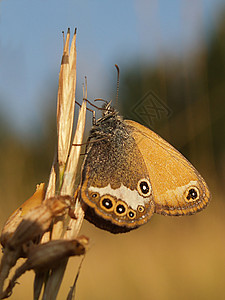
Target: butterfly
[{"x": 129, "y": 173}]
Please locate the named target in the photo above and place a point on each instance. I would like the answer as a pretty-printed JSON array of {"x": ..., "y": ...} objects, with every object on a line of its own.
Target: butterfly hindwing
[{"x": 116, "y": 186}]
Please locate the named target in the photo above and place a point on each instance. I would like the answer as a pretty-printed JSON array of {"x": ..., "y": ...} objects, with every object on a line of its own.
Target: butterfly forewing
[{"x": 177, "y": 186}]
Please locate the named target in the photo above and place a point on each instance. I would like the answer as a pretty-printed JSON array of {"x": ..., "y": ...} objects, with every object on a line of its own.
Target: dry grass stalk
[
  {"x": 67, "y": 169},
  {"x": 11, "y": 256},
  {"x": 45, "y": 256},
  {"x": 66, "y": 103},
  {"x": 23, "y": 230},
  {"x": 18, "y": 215},
  {"x": 59, "y": 230}
]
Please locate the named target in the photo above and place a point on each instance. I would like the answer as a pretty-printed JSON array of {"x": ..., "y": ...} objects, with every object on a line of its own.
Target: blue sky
[{"x": 109, "y": 32}]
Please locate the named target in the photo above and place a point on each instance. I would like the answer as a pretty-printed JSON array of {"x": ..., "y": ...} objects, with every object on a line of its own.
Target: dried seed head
[
  {"x": 46, "y": 256},
  {"x": 58, "y": 204},
  {"x": 35, "y": 223},
  {"x": 18, "y": 215},
  {"x": 38, "y": 220}
]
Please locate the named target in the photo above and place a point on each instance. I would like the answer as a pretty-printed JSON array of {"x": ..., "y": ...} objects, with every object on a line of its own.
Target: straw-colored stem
[
  {"x": 67, "y": 164},
  {"x": 51, "y": 214},
  {"x": 54, "y": 281}
]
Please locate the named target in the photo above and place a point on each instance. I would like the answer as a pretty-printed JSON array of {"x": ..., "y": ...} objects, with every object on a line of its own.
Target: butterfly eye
[
  {"x": 144, "y": 187},
  {"x": 120, "y": 209},
  {"x": 107, "y": 203},
  {"x": 131, "y": 214},
  {"x": 192, "y": 194}
]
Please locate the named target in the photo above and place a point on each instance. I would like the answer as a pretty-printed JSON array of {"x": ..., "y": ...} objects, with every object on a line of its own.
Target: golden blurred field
[{"x": 169, "y": 258}]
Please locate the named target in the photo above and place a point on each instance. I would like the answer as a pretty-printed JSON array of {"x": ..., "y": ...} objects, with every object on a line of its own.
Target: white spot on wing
[
  {"x": 181, "y": 189},
  {"x": 131, "y": 198}
]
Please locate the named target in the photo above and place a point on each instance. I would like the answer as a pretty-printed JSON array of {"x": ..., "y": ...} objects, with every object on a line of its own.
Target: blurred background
[{"x": 171, "y": 56}]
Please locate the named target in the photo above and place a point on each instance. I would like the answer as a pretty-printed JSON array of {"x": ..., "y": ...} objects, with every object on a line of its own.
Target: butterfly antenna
[{"x": 117, "y": 84}]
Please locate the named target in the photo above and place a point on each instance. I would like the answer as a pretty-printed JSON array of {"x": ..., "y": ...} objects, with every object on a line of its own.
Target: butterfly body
[{"x": 129, "y": 173}]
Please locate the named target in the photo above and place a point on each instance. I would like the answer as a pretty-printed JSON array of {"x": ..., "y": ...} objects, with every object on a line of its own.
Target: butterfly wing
[
  {"x": 115, "y": 188},
  {"x": 178, "y": 188}
]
